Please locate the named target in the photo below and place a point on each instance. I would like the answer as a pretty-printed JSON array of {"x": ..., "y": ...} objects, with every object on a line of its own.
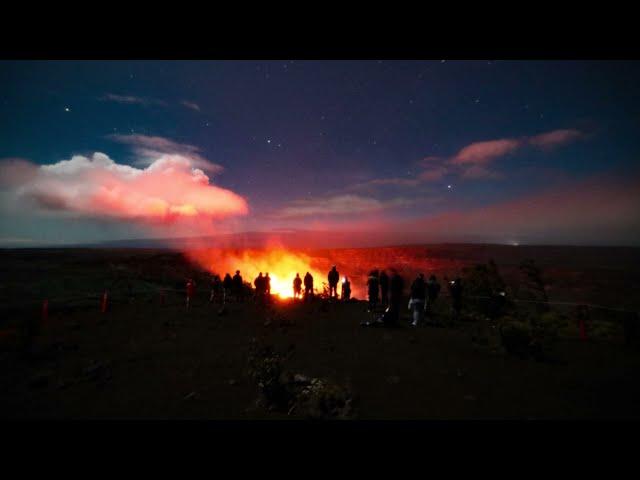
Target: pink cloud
[
  {"x": 476, "y": 172},
  {"x": 340, "y": 205},
  {"x": 133, "y": 100},
  {"x": 430, "y": 161},
  {"x": 482, "y": 153},
  {"x": 555, "y": 138},
  {"x": 170, "y": 189},
  {"x": 433, "y": 173},
  {"x": 149, "y": 148},
  {"x": 586, "y": 211}
]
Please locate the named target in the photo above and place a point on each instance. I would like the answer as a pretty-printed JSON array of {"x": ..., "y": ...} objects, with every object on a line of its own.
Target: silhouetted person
[
  {"x": 216, "y": 288},
  {"x": 418, "y": 299},
  {"x": 191, "y": 290},
  {"x": 396, "y": 287},
  {"x": 372, "y": 290},
  {"x": 497, "y": 303},
  {"x": 259, "y": 283},
  {"x": 346, "y": 289},
  {"x": 297, "y": 286},
  {"x": 267, "y": 285},
  {"x": 308, "y": 286},
  {"x": 433, "y": 289},
  {"x": 227, "y": 286},
  {"x": 334, "y": 278},
  {"x": 238, "y": 286},
  {"x": 384, "y": 288},
  {"x": 455, "y": 290}
]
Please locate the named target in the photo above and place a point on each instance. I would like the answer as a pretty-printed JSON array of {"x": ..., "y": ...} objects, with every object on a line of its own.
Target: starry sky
[{"x": 430, "y": 150}]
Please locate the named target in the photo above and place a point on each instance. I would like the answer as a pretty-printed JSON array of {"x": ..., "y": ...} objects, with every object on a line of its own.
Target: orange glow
[{"x": 281, "y": 264}]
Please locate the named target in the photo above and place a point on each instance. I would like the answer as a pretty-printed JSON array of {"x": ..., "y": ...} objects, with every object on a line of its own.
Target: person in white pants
[{"x": 417, "y": 302}]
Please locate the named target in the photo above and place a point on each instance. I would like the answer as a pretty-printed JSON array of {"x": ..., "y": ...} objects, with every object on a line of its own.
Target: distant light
[
  {"x": 66, "y": 109},
  {"x": 515, "y": 244},
  {"x": 268, "y": 140},
  {"x": 449, "y": 187}
]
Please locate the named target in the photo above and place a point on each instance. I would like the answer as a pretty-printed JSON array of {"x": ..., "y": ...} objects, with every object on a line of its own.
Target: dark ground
[{"x": 146, "y": 360}]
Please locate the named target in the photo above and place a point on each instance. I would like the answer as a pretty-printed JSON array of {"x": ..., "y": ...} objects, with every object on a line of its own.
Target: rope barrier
[
  {"x": 570, "y": 304},
  {"x": 106, "y": 297}
]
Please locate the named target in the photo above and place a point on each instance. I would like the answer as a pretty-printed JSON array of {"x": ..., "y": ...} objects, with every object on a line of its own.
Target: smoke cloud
[{"x": 170, "y": 189}]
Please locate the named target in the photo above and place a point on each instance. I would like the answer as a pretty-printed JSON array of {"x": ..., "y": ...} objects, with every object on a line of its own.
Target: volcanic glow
[{"x": 281, "y": 264}]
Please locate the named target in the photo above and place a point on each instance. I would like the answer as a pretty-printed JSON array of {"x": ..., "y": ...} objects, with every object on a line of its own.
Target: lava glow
[{"x": 281, "y": 264}]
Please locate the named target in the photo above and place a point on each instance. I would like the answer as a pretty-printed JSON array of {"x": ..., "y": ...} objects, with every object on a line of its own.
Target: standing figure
[
  {"x": 191, "y": 288},
  {"x": 267, "y": 285},
  {"x": 396, "y": 288},
  {"x": 333, "y": 278},
  {"x": 372, "y": 290},
  {"x": 433, "y": 289},
  {"x": 227, "y": 286},
  {"x": 417, "y": 301},
  {"x": 455, "y": 289},
  {"x": 259, "y": 284},
  {"x": 384, "y": 288},
  {"x": 308, "y": 286},
  {"x": 216, "y": 287},
  {"x": 297, "y": 286},
  {"x": 238, "y": 287},
  {"x": 346, "y": 290}
]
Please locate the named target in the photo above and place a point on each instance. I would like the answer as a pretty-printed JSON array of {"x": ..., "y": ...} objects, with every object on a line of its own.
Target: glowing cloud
[
  {"x": 481, "y": 153},
  {"x": 169, "y": 189}
]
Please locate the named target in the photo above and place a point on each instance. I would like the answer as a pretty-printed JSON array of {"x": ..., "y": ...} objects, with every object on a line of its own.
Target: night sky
[{"x": 487, "y": 151}]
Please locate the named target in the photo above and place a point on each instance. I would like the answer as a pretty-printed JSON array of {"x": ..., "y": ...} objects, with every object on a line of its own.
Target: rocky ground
[{"x": 144, "y": 360}]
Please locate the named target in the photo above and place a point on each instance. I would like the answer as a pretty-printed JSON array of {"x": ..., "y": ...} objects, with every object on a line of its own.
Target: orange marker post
[
  {"x": 103, "y": 307},
  {"x": 583, "y": 329}
]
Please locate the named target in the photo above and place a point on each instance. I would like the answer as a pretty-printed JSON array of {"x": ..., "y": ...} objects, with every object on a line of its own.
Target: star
[
  {"x": 67, "y": 109},
  {"x": 477, "y": 100},
  {"x": 268, "y": 140},
  {"x": 449, "y": 187}
]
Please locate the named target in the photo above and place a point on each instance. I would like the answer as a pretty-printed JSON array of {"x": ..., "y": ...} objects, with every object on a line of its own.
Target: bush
[
  {"x": 285, "y": 392},
  {"x": 516, "y": 337},
  {"x": 322, "y": 399},
  {"x": 265, "y": 367}
]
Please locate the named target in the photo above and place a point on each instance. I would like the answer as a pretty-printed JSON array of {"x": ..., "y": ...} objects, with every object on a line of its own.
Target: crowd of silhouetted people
[{"x": 384, "y": 291}]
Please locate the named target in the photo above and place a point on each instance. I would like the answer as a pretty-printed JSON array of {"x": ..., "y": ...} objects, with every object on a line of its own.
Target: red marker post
[
  {"x": 103, "y": 306},
  {"x": 191, "y": 285},
  {"x": 583, "y": 329},
  {"x": 582, "y": 322}
]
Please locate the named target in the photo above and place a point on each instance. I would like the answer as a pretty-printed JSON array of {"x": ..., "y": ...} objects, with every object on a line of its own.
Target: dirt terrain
[
  {"x": 146, "y": 360},
  {"x": 152, "y": 361}
]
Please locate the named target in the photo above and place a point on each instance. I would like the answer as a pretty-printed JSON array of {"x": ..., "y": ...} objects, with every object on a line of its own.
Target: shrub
[{"x": 516, "y": 337}]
